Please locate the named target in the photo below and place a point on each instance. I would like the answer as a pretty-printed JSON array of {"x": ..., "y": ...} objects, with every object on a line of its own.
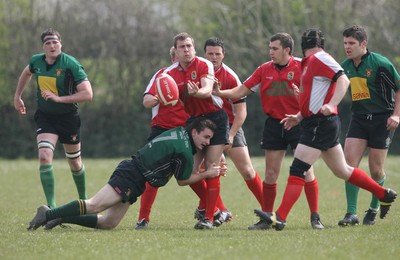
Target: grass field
[{"x": 171, "y": 234}]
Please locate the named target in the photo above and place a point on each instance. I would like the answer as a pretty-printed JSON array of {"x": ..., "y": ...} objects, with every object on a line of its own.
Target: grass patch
[{"x": 171, "y": 234}]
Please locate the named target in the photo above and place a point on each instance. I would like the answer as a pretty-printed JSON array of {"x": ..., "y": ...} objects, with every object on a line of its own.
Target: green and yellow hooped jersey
[
  {"x": 60, "y": 78},
  {"x": 372, "y": 84}
]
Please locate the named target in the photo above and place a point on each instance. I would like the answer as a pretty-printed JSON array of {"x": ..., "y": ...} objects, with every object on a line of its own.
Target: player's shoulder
[
  {"x": 67, "y": 57},
  {"x": 266, "y": 65},
  {"x": 171, "y": 68},
  {"x": 229, "y": 70},
  {"x": 203, "y": 60},
  {"x": 378, "y": 58},
  {"x": 297, "y": 59},
  {"x": 37, "y": 57}
]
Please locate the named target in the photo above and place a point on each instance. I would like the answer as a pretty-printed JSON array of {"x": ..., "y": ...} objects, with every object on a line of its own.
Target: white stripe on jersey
[{"x": 320, "y": 85}]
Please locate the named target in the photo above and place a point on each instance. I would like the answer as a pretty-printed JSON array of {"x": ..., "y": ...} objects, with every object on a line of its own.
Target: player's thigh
[
  {"x": 307, "y": 154},
  {"x": 273, "y": 164},
  {"x": 213, "y": 154},
  {"x": 105, "y": 198},
  {"x": 336, "y": 162},
  {"x": 241, "y": 158},
  {"x": 113, "y": 216}
]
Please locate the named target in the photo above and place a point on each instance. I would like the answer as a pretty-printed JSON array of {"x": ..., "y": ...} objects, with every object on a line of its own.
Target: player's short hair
[
  {"x": 51, "y": 32},
  {"x": 214, "y": 41},
  {"x": 172, "y": 52},
  {"x": 201, "y": 123},
  {"x": 312, "y": 38},
  {"x": 181, "y": 37},
  {"x": 285, "y": 39},
  {"x": 357, "y": 32}
]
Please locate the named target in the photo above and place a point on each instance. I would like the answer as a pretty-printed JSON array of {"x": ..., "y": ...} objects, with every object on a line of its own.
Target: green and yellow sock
[
  {"x": 72, "y": 209},
  {"x": 73, "y": 213}
]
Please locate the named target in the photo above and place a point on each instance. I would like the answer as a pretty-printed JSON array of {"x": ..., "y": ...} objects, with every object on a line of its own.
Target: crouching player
[{"x": 171, "y": 153}]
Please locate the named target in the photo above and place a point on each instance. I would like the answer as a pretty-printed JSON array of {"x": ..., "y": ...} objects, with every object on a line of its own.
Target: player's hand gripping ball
[{"x": 167, "y": 90}]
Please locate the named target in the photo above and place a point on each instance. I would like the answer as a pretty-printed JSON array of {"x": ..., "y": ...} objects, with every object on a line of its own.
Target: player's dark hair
[
  {"x": 201, "y": 123},
  {"x": 181, "y": 37},
  {"x": 285, "y": 39},
  {"x": 50, "y": 31},
  {"x": 214, "y": 41},
  {"x": 312, "y": 38},
  {"x": 357, "y": 32}
]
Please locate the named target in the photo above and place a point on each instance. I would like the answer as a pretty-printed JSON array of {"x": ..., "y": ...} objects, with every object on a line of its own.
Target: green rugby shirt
[
  {"x": 170, "y": 153},
  {"x": 60, "y": 78},
  {"x": 372, "y": 84}
]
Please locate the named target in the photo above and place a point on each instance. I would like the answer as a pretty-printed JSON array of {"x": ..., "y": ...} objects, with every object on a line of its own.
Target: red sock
[
  {"x": 311, "y": 190},
  {"x": 361, "y": 179},
  {"x": 146, "y": 202},
  {"x": 213, "y": 188},
  {"x": 292, "y": 193},
  {"x": 269, "y": 195},
  {"x": 256, "y": 187},
  {"x": 220, "y": 204},
  {"x": 200, "y": 188}
]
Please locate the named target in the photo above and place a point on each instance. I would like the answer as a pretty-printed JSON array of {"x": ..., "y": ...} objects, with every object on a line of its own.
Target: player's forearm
[
  {"x": 235, "y": 93},
  {"x": 84, "y": 94},
  {"x": 150, "y": 101},
  {"x": 23, "y": 80},
  {"x": 342, "y": 85},
  {"x": 195, "y": 177},
  {"x": 396, "y": 111},
  {"x": 240, "y": 117}
]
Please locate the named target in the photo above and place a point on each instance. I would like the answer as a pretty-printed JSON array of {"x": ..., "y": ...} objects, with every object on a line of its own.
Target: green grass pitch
[{"x": 171, "y": 234}]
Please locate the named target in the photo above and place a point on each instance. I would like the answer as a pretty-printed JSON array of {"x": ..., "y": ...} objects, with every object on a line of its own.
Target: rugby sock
[
  {"x": 146, "y": 202},
  {"x": 311, "y": 190},
  {"x": 351, "y": 197},
  {"x": 374, "y": 201},
  {"x": 220, "y": 204},
  {"x": 80, "y": 181},
  {"x": 72, "y": 209},
  {"x": 256, "y": 187},
  {"x": 48, "y": 184},
  {"x": 200, "y": 188},
  {"x": 213, "y": 189},
  {"x": 269, "y": 195},
  {"x": 89, "y": 220},
  {"x": 292, "y": 193},
  {"x": 361, "y": 179}
]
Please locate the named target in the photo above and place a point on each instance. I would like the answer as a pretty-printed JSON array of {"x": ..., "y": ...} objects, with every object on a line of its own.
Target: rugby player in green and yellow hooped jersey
[
  {"x": 61, "y": 84},
  {"x": 169, "y": 154},
  {"x": 375, "y": 94}
]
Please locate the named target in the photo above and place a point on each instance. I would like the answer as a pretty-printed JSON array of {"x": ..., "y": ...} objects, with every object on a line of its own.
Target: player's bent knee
[
  {"x": 299, "y": 168},
  {"x": 106, "y": 223},
  {"x": 248, "y": 174}
]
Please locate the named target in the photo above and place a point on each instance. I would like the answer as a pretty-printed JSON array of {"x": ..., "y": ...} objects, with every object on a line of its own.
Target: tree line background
[{"x": 122, "y": 43}]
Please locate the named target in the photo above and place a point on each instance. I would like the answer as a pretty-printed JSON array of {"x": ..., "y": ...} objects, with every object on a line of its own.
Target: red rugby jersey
[
  {"x": 198, "y": 68},
  {"x": 275, "y": 87},
  {"x": 227, "y": 79},
  {"x": 317, "y": 87}
]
